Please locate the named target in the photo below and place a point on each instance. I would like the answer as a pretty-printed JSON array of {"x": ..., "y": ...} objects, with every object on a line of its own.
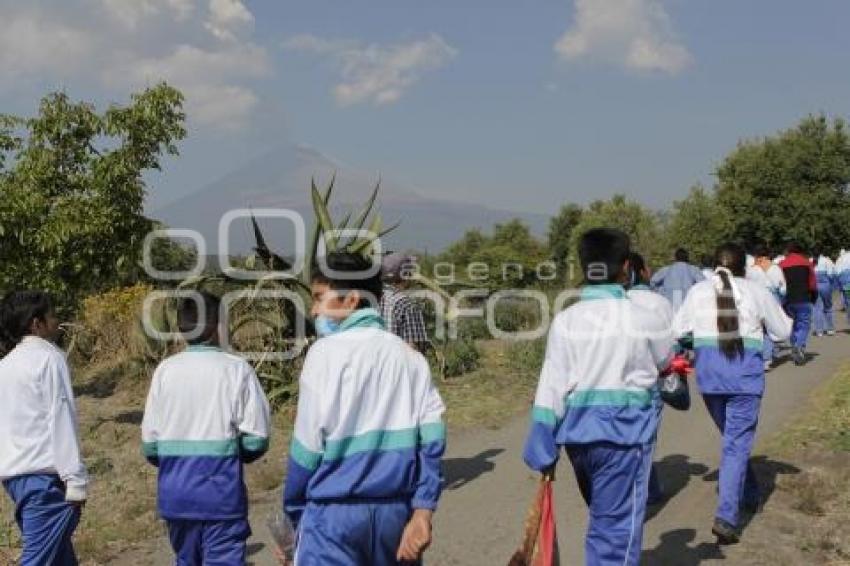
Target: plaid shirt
[{"x": 403, "y": 316}]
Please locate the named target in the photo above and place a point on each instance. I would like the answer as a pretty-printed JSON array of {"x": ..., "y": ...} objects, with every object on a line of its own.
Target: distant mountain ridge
[{"x": 281, "y": 179}]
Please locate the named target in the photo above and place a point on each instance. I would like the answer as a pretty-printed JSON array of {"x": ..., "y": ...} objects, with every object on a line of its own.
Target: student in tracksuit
[
  {"x": 673, "y": 388},
  {"x": 40, "y": 463},
  {"x": 769, "y": 275},
  {"x": 364, "y": 472},
  {"x": 727, "y": 315},
  {"x": 598, "y": 398},
  {"x": 206, "y": 415},
  {"x": 802, "y": 290},
  {"x": 674, "y": 280},
  {"x": 842, "y": 269},
  {"x": 826, "y": 276}
]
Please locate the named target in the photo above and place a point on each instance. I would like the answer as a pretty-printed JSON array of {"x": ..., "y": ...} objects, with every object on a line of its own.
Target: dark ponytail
[
  {"x": 18, "y": 309},
  {"x": 731, "y": 261}
]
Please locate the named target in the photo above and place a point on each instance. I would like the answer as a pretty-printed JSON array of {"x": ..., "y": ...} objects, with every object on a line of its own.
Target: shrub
[
  {"x": 106, "y": 327},
  {"x": 514, "y": 315},
  {"x": 454, "y": 357},
  {"x": 527, "y": 355}
]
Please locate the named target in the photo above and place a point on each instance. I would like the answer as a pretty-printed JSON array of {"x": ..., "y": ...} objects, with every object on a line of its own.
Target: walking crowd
[{"x": 363, "y": 475}]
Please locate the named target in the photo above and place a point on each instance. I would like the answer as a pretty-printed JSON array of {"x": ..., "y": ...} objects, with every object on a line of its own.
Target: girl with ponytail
[
  {"x": 727, "y": 315},
  {"x": 40, "y": 464}
]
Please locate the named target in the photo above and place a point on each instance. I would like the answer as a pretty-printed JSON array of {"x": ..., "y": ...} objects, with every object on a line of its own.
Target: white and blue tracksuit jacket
[
  {"x": 369, "y": 425},
  {"x": 773, "y": 279},
  {"x": 38, "y": 417},
  {"x": 206, "y": 414},
  {"x": 842, "y": 270},
  {"x": 757, "y": 310},
  {"x": 599, "y": 381},
  {"x": 826, "y": 273}
]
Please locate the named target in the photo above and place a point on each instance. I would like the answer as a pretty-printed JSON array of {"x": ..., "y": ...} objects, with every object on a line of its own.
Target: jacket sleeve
[
  {"x": 777, "y": 277},
  {"x": 252, "y": 417},
  {"x": 541, "y": 450},
  {"x": 696, "y": 274},
  {"x": 684, "y": 321},
  {"x": 777, "y": 323},
  {"x": 150, "y": 421},
  {"x": 432, "y": 444},
  {"x": 307, "y": 446},
  {"x": 63, "y": 429}
]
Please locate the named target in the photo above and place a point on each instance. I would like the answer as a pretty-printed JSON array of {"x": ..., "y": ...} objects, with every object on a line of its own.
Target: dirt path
[{"x": 489, "y": 488}]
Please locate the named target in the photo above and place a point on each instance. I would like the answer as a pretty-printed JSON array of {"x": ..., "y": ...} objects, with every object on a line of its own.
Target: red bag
[{"x": 540, "y": 543}]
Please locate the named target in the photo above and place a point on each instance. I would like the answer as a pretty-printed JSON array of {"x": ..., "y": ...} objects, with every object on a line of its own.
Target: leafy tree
[
  {"x": 72, "y": 190},
  {"x": 560, "y": 234},
  {"x": 698, "y": 223},
  {"x": 790, "y": 186},
  {"x": 641, "y": 224},
  {"x": 511, "y": 255},
  {"x": 462, "y": 251}
]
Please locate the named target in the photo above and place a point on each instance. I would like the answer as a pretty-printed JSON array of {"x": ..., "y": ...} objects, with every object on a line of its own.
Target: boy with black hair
[
  {"x": 206, "y": 415},
  {"x": 40, "y": 462},
  {"x": 598, "y": 398},
  {"x": 364, "y": 472}
]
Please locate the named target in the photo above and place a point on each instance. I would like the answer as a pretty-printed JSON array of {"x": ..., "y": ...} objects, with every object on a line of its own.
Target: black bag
[{"x": 675, "y": 392}]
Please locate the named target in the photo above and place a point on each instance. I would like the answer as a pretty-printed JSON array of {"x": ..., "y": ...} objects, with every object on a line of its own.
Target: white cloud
[
  {"x": 228, "y": 18},
  {"x": 374, "y": 73},
  {"x": 33, "y": 44},
  {"x": 210, "y": 79},
  {"x": 637, "y": 34},
  {"x": 153, "y": 40},
  {"x": 131, "y": 13}
]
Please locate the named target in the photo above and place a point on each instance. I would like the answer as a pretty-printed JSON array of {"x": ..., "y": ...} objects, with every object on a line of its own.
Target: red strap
[{"x": 547, "y": 539}]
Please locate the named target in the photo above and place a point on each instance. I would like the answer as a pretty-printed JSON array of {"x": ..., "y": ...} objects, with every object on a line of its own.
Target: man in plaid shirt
[{"x": 402, "y": 315}]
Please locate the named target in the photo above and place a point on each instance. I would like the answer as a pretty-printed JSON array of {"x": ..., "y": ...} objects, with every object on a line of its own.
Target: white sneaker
[
  {"x": 830, "y": 332},
  {"x": 767, "y": 366}
]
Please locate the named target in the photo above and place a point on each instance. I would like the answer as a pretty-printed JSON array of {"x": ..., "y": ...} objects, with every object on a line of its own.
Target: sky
[{"x": 519, "y": 105}]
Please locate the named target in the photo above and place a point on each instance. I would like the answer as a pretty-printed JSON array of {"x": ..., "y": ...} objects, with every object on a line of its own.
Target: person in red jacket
[{"x": 801, "y": 293}]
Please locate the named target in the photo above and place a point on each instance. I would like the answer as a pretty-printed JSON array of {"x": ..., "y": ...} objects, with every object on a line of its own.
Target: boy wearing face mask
[{"x": 363, "y": 476}]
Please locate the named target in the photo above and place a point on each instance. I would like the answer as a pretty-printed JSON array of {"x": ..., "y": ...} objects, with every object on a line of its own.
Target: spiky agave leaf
[
  {"x": 313, "y": 245},
  {"x": 367, "y": 209},
  {"x": 323, "y": 217},
  {"x": 361, "y": 242},
  {"x": 364, "y": 244},
  {"x": 345, "y": 220},
  {"x": 273, "y": 261}
]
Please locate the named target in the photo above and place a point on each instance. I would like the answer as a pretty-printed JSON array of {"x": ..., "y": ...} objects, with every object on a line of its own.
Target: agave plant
[{"x": 364, "y": 231}]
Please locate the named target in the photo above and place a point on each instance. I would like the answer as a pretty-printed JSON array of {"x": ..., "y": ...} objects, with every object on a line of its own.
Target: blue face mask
[{"x": 325, "y": 325}]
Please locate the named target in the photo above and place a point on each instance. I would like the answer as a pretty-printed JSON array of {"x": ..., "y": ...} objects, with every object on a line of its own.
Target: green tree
[
  {"x": 72, "y": 190},
  {"x": 511, "y": 256},
  {"x": 698, "y": 223},
  {"x": 560, "y": 234},
  {"x": 641, "y": 224},
  {"x": 790, "y": 186}
]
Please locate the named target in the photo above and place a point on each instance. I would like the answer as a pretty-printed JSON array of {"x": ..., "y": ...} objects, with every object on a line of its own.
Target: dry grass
[
  {"x": 490, "y": 395},
  {"x": 815, "y": 504}
]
